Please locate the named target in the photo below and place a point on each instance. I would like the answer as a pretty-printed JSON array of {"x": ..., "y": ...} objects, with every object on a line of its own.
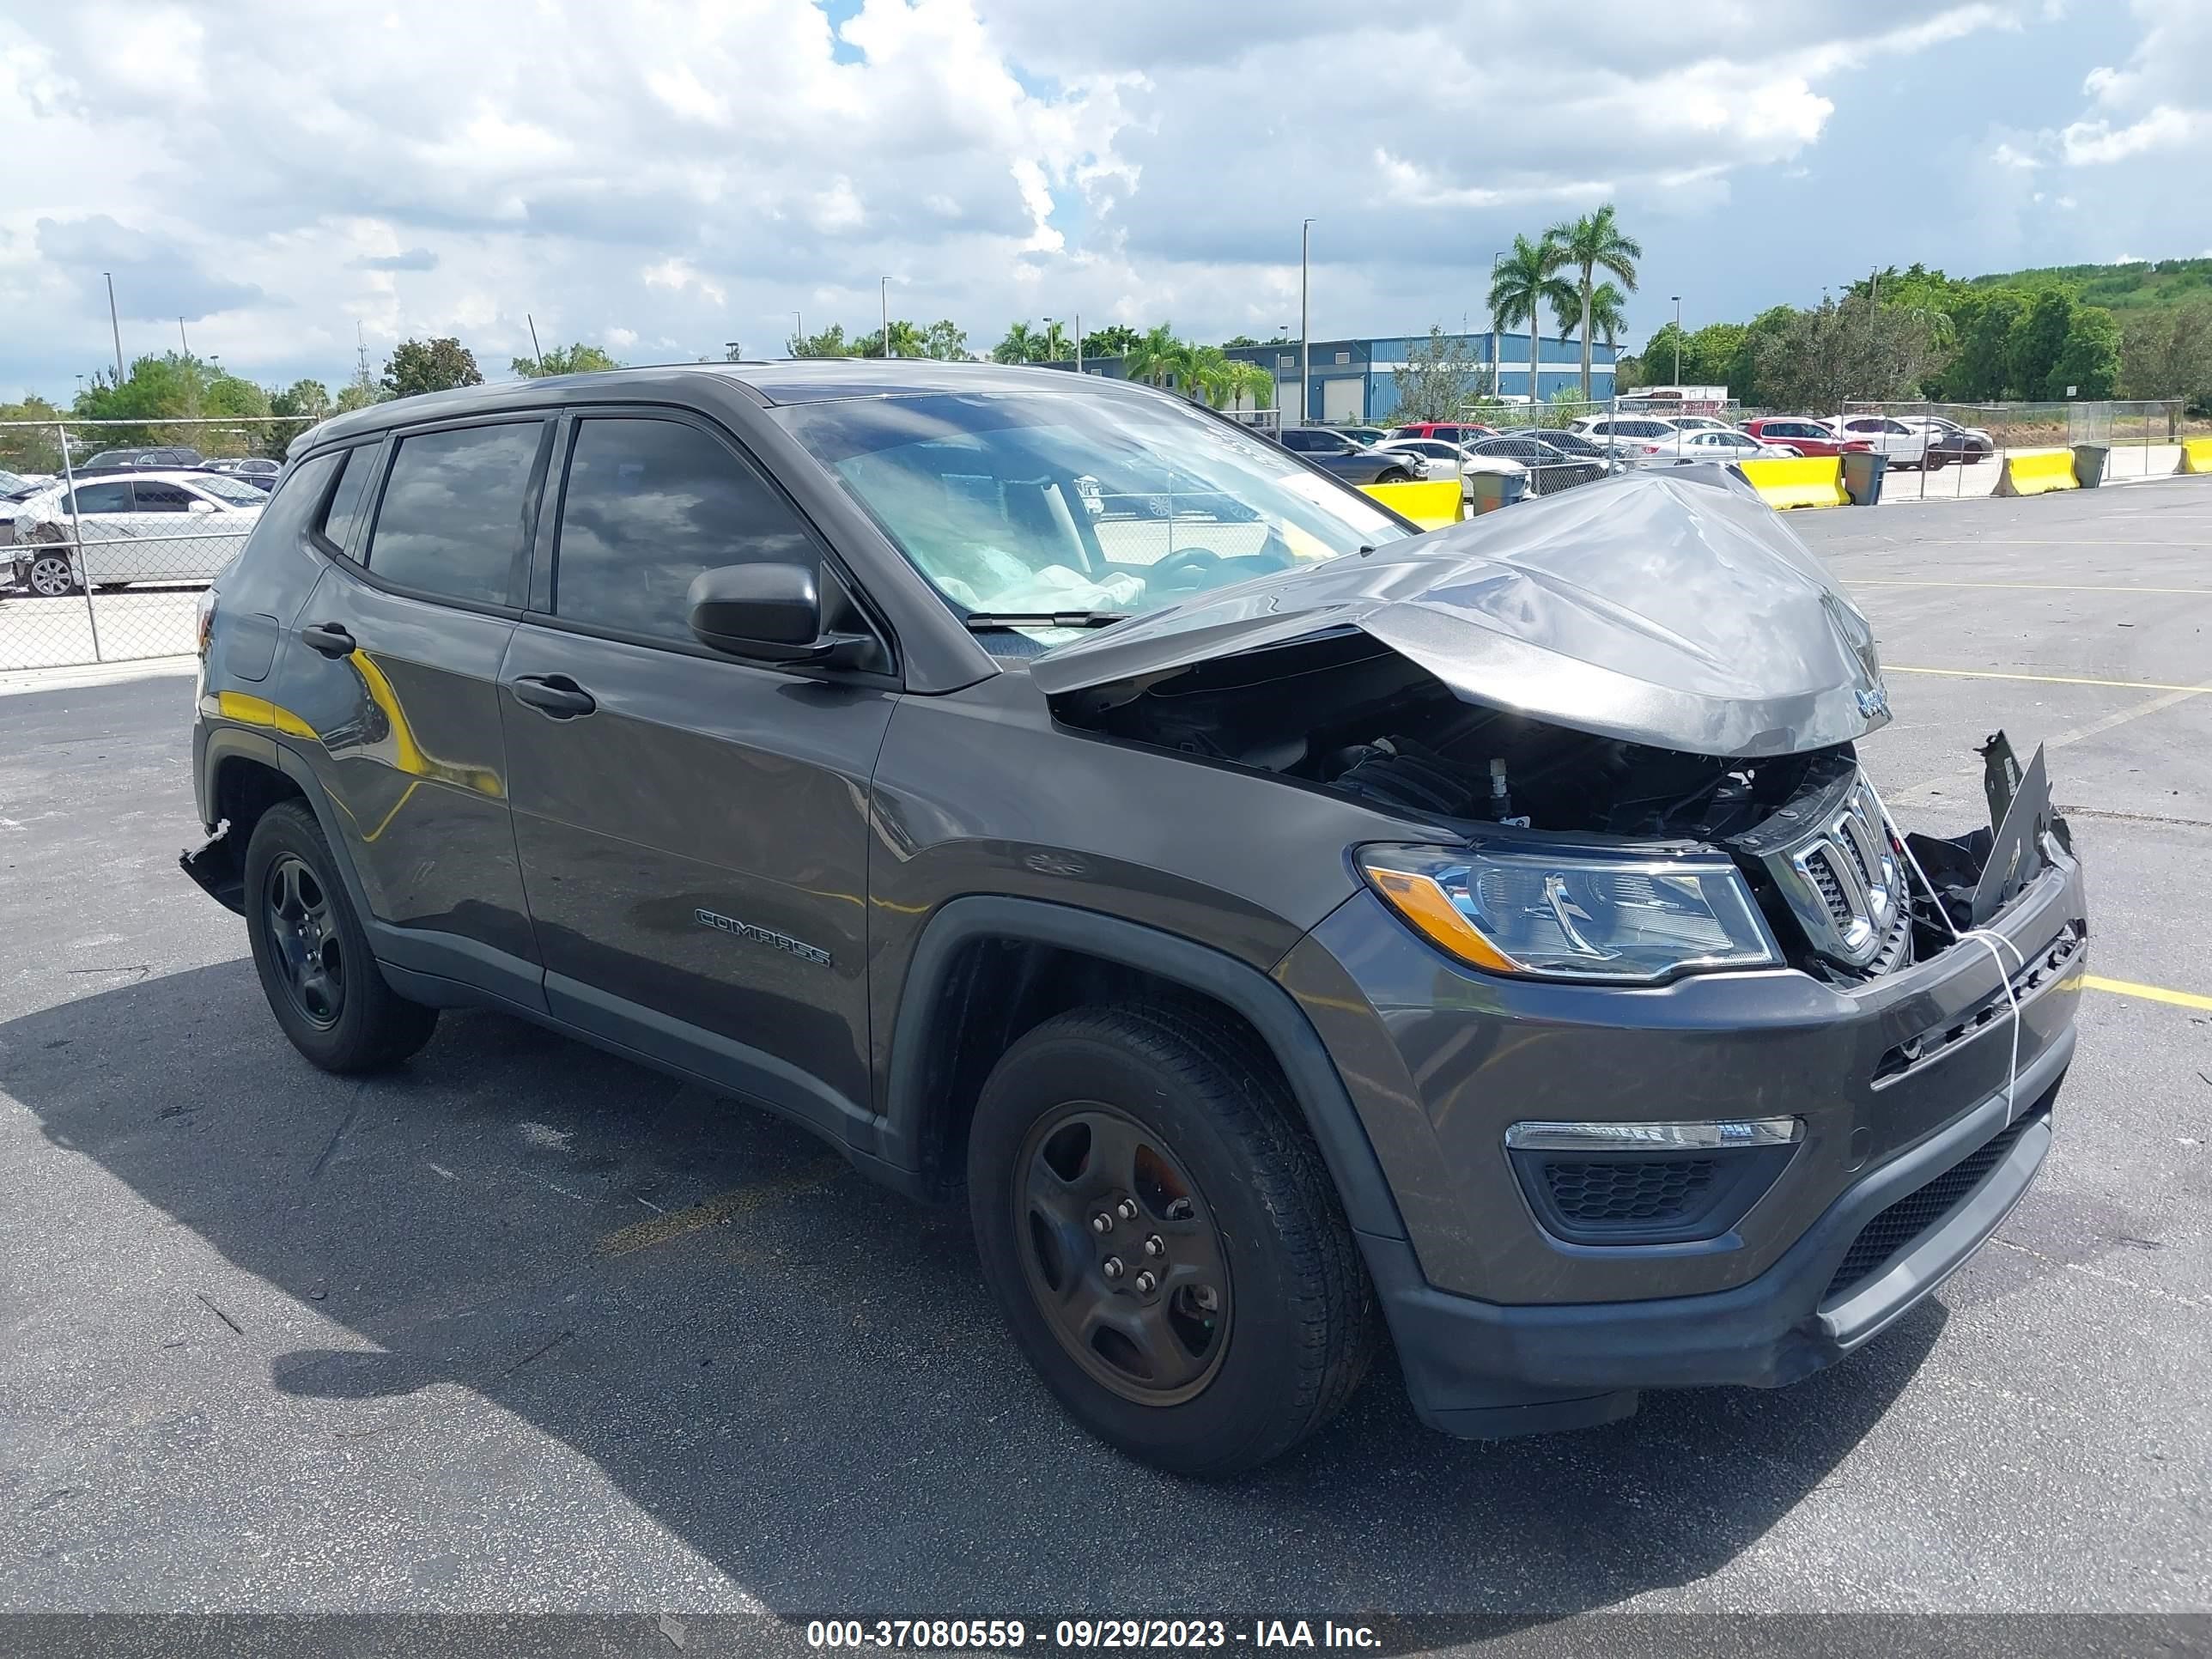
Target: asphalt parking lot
[{"x": 522, "y": 1326}]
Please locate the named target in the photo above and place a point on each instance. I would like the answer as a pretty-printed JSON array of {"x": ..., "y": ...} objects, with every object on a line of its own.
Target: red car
[
  {"x": 1801, "y": 433},
  {"x": 1450, "y": 432}
]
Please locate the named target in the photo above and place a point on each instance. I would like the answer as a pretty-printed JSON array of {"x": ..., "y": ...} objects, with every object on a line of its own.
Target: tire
[
  {"x": 52, "y": 574},
  {"x": 1392, "y": 475},
  {"x": 1171, "y": 1127},
  {"x": 312, "y": 956}
]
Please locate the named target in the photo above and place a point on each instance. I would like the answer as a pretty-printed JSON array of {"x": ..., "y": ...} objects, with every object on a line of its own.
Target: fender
[{"x": 1313, "y": 1077}]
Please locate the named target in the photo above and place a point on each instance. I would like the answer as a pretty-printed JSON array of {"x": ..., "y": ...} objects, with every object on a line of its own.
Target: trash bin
[
  {"x": 1863, "y": 470},
  {"x": 2089, "y": 464},
  {"x": 1488, "y": 491}
]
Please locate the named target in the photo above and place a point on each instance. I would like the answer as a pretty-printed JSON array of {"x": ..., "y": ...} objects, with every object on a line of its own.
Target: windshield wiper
[{"x": 978, "y": 620}]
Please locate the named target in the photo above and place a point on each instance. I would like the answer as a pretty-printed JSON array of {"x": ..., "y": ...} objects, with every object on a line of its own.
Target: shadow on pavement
[{"x": 799, "y": 1374}]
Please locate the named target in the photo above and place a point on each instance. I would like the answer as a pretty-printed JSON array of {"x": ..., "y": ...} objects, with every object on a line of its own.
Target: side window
[
  {"x": 454, "y": 521},
  {"x": 357, "y": 466},
  {"x": 161, "y": 497},
  {"x": 286, "y": 513},
  {"x": 651, "y": 503},
  {"x": 103, "y": 498}
]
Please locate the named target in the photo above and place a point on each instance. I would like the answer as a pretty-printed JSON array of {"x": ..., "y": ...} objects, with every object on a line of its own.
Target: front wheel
[
  {"x": 52, "y": 575},
  {"x": 1162, "y": 1236},
  {"x": 1392, "y": 475}
]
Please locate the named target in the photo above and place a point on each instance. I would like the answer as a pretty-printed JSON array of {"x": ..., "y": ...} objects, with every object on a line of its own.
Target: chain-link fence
[
  {"x": 109, "y": 529},
  {"x": 1951, "y": 452}
]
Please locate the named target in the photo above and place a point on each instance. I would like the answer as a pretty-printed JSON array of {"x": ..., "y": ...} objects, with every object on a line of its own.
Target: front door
[
  {"x": 692, "y": 830},
  {"x": 392, "y": 671}
]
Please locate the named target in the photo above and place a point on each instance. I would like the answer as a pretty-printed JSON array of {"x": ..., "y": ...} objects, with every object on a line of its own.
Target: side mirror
[
  {"x": 199, "y": 506},
  {"x": 766, "y": 613}
]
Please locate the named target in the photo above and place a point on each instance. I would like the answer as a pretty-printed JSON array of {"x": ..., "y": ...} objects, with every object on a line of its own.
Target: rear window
[
  {"x": 356, "y": 467},
  {"x": 285, "y": 514},
  {"x": 454, "y": 519}
]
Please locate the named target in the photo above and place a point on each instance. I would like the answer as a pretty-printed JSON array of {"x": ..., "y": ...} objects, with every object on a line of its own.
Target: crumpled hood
[{"x": 1673, "y": 609}]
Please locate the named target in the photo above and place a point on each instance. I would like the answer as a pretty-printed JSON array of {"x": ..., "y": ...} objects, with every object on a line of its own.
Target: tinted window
[
  {"x": 163, "y": 498},
  {"x": 358, "y": 467},
  {"x": 649, "y": 505},
  {"x": 285, "y": 514},
  {"x": 103, "y": 498},
  {"x": 235, "y": 491},
  {"x": 452, "y": 522}
]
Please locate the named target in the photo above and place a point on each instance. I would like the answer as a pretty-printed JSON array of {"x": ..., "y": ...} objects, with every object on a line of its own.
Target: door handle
[
  {"x": 556, "y": 696},
  {"x": 329, "y": 639}
]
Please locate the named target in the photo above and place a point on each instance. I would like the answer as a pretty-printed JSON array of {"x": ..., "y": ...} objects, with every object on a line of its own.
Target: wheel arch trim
[{"x": 1312, "y": 1076}]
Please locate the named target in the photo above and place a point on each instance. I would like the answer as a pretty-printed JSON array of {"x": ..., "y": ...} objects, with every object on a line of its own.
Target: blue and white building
[{"x": 1353, "y": 382}]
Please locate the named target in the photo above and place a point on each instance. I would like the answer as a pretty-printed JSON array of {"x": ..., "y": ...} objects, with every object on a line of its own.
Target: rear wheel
[
  {"x": 312, "y": 957},
  {"x": 1164, "y": 1240}
]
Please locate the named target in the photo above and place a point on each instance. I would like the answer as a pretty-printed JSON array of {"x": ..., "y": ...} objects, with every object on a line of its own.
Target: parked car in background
[
  {"x": 1370, "y": 436},
  {"x": 138, "y": 527},
  {"x": 1451, "y": 432},
  {"x": 1550, "y": 468},
  {"x": 1905, "y": 446},
  {"x": 1356, "y": 464},
  {"x": 1953, "y": 442},
  {"x": 160, "y": 457},
  {"x": 1559, "y": 438},
  {"x": 1442, "y": 458},
  {"x": 1619, "y": 433},
  {"x": 1801, "y": 433},
  {"x": 15, "y": 484},
  {"x": 254, "y": 469},
  {"x": 1723, "y": 444}
]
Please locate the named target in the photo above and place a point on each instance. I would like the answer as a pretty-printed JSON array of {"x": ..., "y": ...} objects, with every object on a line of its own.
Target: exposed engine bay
[{"x": 1343, "y": 713}]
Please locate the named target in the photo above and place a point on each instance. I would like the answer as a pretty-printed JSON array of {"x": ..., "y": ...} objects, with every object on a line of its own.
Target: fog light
[{"x": 1538, "y": 1136}]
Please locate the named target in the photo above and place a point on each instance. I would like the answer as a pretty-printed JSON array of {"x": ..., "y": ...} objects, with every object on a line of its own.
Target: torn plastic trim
[{"x": 218, "y": 866}]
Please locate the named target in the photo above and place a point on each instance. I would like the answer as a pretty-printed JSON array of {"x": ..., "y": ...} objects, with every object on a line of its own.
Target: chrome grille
[{"x": 1842, "y": 880}]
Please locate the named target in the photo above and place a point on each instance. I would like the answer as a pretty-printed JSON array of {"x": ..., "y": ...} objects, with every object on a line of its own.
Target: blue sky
[{"x": 660, "y": 178}]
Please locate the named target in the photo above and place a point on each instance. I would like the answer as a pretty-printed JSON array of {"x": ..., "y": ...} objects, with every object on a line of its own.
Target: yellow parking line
[
  {"x": 2033, "y": 587},
  {"x": 2127, "y": 988},
  {"x": 2043, "y": 679}
]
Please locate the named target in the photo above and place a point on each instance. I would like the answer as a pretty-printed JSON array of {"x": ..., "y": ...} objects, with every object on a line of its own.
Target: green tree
[
  {"x": 1983, "y": 320},
  {"x": 419, "y": 366},
  {"x": 1743, "y": 377},
  {"x": 2168, "y": 353},
  {"x": 2036, "y": 342},
  {"x": 1593, "y": 243},
  {"x": 1607, "y": 320},
  {"x": 30, "y": 449},
  {"x": 1115, "y": 340},
  {"x": 359, "y": 394},
  {"x": 577, "y": 359},
  {"x": 1440, "y": 376},
  {"x": 943, "y": 341},
  {"x": 300, "y": 405},
  {"x": 1527, "y": 280},
  {"x": 907, "y": 341},
  {"x": 829, "y": 343},
  {"x": 1157, "y": 357},
  {"x": 1821, "y": 359},
  {"x": 1023, "y": 344},
  {"x": 1237, "y": 340},
  {"x": 2088, "y": 363}
]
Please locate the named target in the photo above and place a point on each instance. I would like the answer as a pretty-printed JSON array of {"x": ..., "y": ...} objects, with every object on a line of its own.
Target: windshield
[{"x": 1023, "y": 503}]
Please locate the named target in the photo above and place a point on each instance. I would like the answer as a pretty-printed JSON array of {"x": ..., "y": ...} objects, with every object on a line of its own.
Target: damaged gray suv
[{"x": 1284, "y": 931}]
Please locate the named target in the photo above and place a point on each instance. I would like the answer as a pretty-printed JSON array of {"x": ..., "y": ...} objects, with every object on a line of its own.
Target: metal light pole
[
  {"x": 114, "y": 327},
  {"x": 798, "y": 328},
  {"x": 1305, "y": 330},
  {"x": 1497, "y": 333},
  {"x": 1079, "y": 343},
  {"x": 883, "y": 293},
  {"x": 1678, "y": 337}
]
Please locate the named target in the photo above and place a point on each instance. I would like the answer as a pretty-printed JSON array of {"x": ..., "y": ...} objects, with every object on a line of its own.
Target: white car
[
  {"x": 135, "y": 527},
  {"x": 1625, "y": 434},
  {"x": 1439, "y": 455},
  {"x": 1905, "y": 446},
  {"x": 1720, "y": 444}
]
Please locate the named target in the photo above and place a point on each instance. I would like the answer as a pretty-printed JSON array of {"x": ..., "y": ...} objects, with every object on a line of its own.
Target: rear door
[
  {"x": 693, "y": 829},
  {"x": 103, "y": 529},
  {"x": 171, "y": 542},
  {"x": 392, "y": 665}
]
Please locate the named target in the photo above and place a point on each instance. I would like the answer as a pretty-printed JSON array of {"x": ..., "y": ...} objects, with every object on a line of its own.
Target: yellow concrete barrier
[
  {"x": 2196, "y": 455},
  {"x": 2036, "y": 472},
  {"x": 1808, "y": 481},
  {"x": 1432, "y": 505}
]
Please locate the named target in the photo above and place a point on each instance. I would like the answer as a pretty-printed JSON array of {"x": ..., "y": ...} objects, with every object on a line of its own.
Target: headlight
[{"x": 1573, "y": 914}]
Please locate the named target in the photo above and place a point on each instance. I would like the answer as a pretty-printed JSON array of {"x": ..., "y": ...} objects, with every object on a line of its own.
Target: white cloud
[{"x": 2096, "y": 143}]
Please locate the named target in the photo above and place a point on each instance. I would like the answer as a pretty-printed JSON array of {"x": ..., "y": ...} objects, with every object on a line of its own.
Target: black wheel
[
  {"x": 1164, "y": 1240},
  {"x": 1393, "y": 475},
  {"x": 316, "y": 969}
]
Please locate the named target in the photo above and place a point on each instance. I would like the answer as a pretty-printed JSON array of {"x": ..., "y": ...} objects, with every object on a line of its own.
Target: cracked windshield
[{"x": 1058, "y": 503}]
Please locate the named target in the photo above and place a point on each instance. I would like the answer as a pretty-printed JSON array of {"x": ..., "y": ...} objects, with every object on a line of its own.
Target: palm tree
[
  {"x": 1239, "y": 379},
  {"x": 1526, "y": 281},
  {"x": 1021, "y": 346},
  {"x": 1053, "y": 345},
  {"x": 1592, "y": 242},
  {"x": 1609, "y": 321},
  {"x": 1159, "y": 357}
]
